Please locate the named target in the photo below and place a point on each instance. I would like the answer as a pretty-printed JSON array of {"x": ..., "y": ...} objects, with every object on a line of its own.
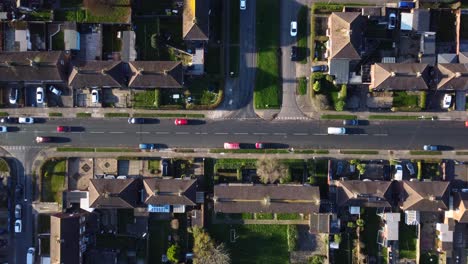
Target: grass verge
[
  {"x": 398, "y": 117},
  {"x": 363, "y": 152},
  {"x": 266, "y": 151},
  {"x": 302, "y": 86},
  {"x": 53, "y": 173},
  {"x": 115, "y": 150},
  {"x": 4, "y": 114},
  {"x": 461, "y": 153},
  {"x": 169, "y": 115},
  {"x": 65, "y": 149},
  {"x": 83, "y": 115},
  {"x": 423, "y": 152},
  {"x": 55, "y": 114},
  {"x": 341, "y": 117}
]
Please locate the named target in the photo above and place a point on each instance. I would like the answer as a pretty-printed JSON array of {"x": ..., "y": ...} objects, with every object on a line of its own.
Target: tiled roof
[
  {"x": 31, "y": 66},
  {"x": 345, "y": 35},
  {"x": 64, "y": 238},
  {"x": 452, "y": 76},
  {"x": 156, "y": 74},
  {"x": 424, "y": 196},
  {"x": 195, "y": 19},
  {"x": 170, "y": 191},
  {"x": 461, "y": 207},
  {"x": 364, "y": 193},
  {"x": 113, "y": 193},
  {"x": 399, "y": 76},
  {"x": 97, "y": 74}
]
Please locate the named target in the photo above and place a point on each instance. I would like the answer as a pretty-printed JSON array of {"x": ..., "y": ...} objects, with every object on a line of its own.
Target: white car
[
  {"x": 26, "y": 120},
  {"x": 3, "y": 129},
  {"x": 447, "y": 101},
  {"x": 18, "y": 226},
  {"x": 391, "y": 21},
  {"x": 243, "y": 4},
  {"x": 94, "y": 96},
  {"x": 398, "y": 172},
  {"x": 55, "y": 91},
  {"x": 40, "y": 95},
  {"x": 293, "y": 28}
]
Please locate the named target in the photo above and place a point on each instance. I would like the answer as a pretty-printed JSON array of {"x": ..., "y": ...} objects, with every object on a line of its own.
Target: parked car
[
  {"x": 18, "y": 211},
  {"x": 136, "y": 120},
  {"x": 447, "y": 101},
  {"x": 9, "y": 120},
  {"x": 18, "y": 226},
  {"x": 55, "y": 91},
  {"x": 180, "y": 122},
  {"x": 40, "y": 95},
  {"x": 26, "y": 120},
  {"x": 410, "y": 168},
  {"x": 293, "y": 30},
  {"x": 406, "y": 4},
  {"x": 336, "y": 130},
  {"x": 391, "y": 21},
  {"x": 63, "y": 129},
  {"x": 350, "y": 122},
  {"x": 293, "y": 53},
  {"x": 398, "y": 172},
  {"x": 95, "y": 96},
  {"x": 243, "y": 4},
  {"x": 231, "y": 145},
  {"x": 430, "y": 147},
  {"x": 3, "y": 129},
  {"x": 43, "y": 139},
  {"x": 146, "y": 146},
  {"x": 13, "y": 98},
  {"x": 319, "y": 68},
  {"x": 260, "y": 145}
]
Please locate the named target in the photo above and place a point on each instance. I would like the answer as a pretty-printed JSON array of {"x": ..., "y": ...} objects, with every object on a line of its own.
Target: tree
[
  {"x": 173, "y": 253},
  {"x": 154, "y": 41},
  {"x": 339, "y": 105},
  {"x": 271, "y": 170},
  {"x": 343, "y": 91},
  {"x": 317, "y": 86},
  {"x": 337, "y": 238},
  {"x": 317, "y": 259},
  {"x": 205, "y": 251},
  {"x": 360, "y": 222},
  {"x": 361, "y": 168}
]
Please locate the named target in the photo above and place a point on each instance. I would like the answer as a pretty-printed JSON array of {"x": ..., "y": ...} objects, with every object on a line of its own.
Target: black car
[
  {"x": 293, "y": 53},
  {"x": 350, "y": 122},
  {"x": 19, "y": 190},
  {"x": 136, "y": 120},
  {"x": 9, "y": 120},
  {"x": 319, "y": 68}
]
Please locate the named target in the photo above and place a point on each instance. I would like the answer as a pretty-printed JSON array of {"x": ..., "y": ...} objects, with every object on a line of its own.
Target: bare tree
[
  {"x": 271, "y": 170},
  {"x": 205, "y": 251}
]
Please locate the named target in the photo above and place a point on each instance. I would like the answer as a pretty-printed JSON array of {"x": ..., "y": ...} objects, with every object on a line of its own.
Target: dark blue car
[{"x": 146, "y": 146}]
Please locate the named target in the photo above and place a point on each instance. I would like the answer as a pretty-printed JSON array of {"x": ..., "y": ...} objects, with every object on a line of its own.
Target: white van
[
  {"x": 336, "y": 130},
  {"x": 30, "y": 256}
]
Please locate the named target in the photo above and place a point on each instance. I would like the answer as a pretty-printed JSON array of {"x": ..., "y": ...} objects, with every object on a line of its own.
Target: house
[
  {"x": 103, "y": 74},
  {"x": 463, "y": 57},
  {"x": 364, "y": 193},
  {"x": 195, "y": 20},
  {"x": 389, "y": 231},
  {"x": 460, "y": 205},
  {"x": 427, "y": 48},
  {"x": 345, "y": 32},
  {"x": 69, "y": 233},
  {"x": 114, "y": 193},
  {"x": 447, "y": 58},
  {"x": 444, "y": 233},
  {"x": 156, "y": 74},
  {"x": 424, "y": 196},
  {"x": 32, "y": 67},
  {"x": 399, "y": 76},
  {"x": 452, "y": 76},
  {"x": 160, "y": 194},
  {"x": 418, "y": 20},
  {"x": 269, "y": 198}
]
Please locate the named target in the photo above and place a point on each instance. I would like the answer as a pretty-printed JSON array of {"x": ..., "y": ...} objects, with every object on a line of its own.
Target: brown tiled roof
[
  {"x": 271, "y": 198},
  {"x": 399, "y": 76},
  {"x": 345, "y": 35},
  {"x": 113, "y": 193},
  {"x": 452, "y": 76},
  {"x": 170, "y": 191},
  {"x": 364, "y": 193},
  {"x": 195, "y": 20},
  {"x": 461, "y": 207},
  {"x": 31, "y": 66},
  {"x": 156, "y": 74},
  {"x": 319, "y": 223},
  {"x": 64, "y": 238},
  {"x": 424, "y": 196},
  {"x": 97, "y": 74}
]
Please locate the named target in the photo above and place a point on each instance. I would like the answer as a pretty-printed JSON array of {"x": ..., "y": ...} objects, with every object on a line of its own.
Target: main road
[{"x": 212, "y": 134}]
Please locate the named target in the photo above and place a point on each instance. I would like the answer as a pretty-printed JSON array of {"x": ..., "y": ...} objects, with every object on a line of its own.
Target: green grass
[
  {"x": 199, "y": 92},
  {"x": 405, "y": 100},
  {"x": 115, "y": 150},
  {"x": 116, "y": 115},
  {"x": 461, "y": 153},
  {"x": 302, "y": 86},
  {"x": 153, "y": 165},
  {"x": 83, "y": 115},
  {"x": 41, "y": 15},
  {"x": 77, "y": 15},
  {"x": 423, "y": 152},
  {"x": 255, "y": 243},
  {"x": 393, "y": 117},
  {"x": 119, "y": 12},
  {"x": 58, "y": 42},
  {"x": 53, "y": 173},
  {"x": 4, "y": 166},
  {"x": 266, "y": 151},
  {"x": 66, "y": 149},
  {"x": 322, "y": 151},
  {"x": 267, "y": 92},
  {"x": 363, "y": 152},
  {"x": 4, "y": 114},
  {"x": 340, "y": 117},
  {"x": 55, "y": 114},
  {"x": 145, "y": 99},
  {"x": 369, "y": 234},
  {"x": 302, "y": 34},
  {"x": 169, "y": 115},
  {"x": 264, "y": 216},
  {"x": 327, "y": 7},
  {"x": 158, "y": 244},
  {"x": 286, "y": 216},
  {"x": 145, "y": 28},
  {"x": 407, "y": 241}
]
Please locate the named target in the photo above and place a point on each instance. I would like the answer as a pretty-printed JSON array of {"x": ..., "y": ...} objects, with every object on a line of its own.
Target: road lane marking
[
  {"x": 260, "y": 133},
  {"x": 96, "y": 132},
  {"x": 381, "y": 135},
  {"x": 320, "y": 134},
  {"x": 223, "y": 133},
  {"x": 241, "y": 133},
  {"x": 77, "y": 132},
  {"x": 279, "y": 134},
  {"x": 182, "y": 133},
  {"x": 300, "y": 134},
  {"x": 162, "y": 133},
  {"x": 116, "y": 132},
  {"x": 142, "y": 132},
  {"x": 204, "y": 133}
]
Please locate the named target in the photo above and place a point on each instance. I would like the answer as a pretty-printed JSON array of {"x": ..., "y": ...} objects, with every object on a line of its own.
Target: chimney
[
  {"x": 393, "y": 74},
  {"x": 418, "y": 74},
  {"x": 458, "y": 74},
  {"x": 104, "y": 71},
  {"x": 432, "y": 197},
  {"x": 165, "y": 72}
]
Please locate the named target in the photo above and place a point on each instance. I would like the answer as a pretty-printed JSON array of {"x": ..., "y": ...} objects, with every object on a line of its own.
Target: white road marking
[
  {"x": 182, "y": 133},
  {"x": 96, "y": 132},
  {"x": 241, "y": 133},
  {"x": 260, "y": 133},
  {"x": 142, "y": 132},
  {"x": 116, "y": 132},
  {"x": 320, "y": 134},
  {"x": 37, "y": 131},
  {"x": 76, "y": 132},
  {"x": 162, "y": 133},
  {"x": 204, "y": 133},
  {"x": 221, "y": 133},
  {"x": 279, "y": 134},
  {"x": 381, "y": 135},
  {"x": 361, "y": 134},
  {"x": 300, "y": 134}
]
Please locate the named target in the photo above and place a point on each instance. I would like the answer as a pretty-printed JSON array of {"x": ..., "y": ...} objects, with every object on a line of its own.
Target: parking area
[
  {"x": 115, "y": 97},
  {"x": 83, "y": 98}
]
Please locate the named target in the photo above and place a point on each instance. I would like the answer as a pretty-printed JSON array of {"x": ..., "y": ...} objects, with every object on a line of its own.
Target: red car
[
  {"x": 43, "y": 139},
  {"x": 63, "y": 129},
  {"x": 180, "y": 122},
  {"x": 231, "y": 145},
  {"x": 259, "y": 145},
  {"x": 466, "y": 123}
]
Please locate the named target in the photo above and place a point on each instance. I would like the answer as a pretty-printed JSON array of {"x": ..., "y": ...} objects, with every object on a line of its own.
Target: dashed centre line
[
  {"x": 241, "y": 133},
  {"x": 223, "y": 133},
  {"x": 162, "y": 133},
  {"x": 182, "y": 133},
  {"x": 300, "y": 134},
  {"x": 97, "y": 132},
  {"x": 116, "y": 132}
]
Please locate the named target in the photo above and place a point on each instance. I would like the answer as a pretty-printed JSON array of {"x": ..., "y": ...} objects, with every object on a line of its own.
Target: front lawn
[
  {"x": 407, "y": 241},
  {"x": 204, "y": 90},
  {"x": 408, "y": 101},
  {"x": 369, "y": 234},
  {"x": 118, "y": 12},
  {"x": 302, "y": 34},
  {"x": 144, "y": 29},
  {"x": 53, "y": 173},
  {"x": 145, "y": 99},
  {"x": 111, "y": 43},
  {"x": 253, "y": 243}
]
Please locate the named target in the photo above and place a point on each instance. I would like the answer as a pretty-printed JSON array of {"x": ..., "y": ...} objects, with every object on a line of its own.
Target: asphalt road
[{"x": 212, "y": 134}]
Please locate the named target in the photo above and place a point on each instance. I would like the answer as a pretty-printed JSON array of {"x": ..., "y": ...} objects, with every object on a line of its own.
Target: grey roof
[
  {"x": 447, "y": 58},
  {"x": 97, "y": 74},
  {"x": 452, "y": 76},
  {"x": 364, "y": 193},
  {"x": 421, "y": 19},
  {"x": 113, "y": 193},
  {"x": 460, "y": 203},
  {"x": 428, "y": 48},
  {"x": 463, "y": 57},
  {"x": 195, "y": 19},
  {"x": 399, "y": 76},
  {"x": 424, "y": 196},
  {"x": 64, "y": 238},
  {"x": 31, "y": 66},
  {"x": 128, "y": 46},
  {"x": 170, "y": 191},
  {"x": 340, "y": 69},
  {"x": 156, "y": 74},
  {"x": 270, "y": 198}
]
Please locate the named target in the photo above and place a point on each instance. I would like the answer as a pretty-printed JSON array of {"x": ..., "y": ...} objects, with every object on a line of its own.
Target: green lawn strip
[
  {"x": 423, "y": 152},
  {"x": 234, "y": 31},
  {"x": 154, "y": 165},
  {"x": 158, "y": 244},
  {"x": 302, "y": 86},
  {"x": 247, "y": 216},
  {"x": 116, "y": 115},
  {"x": 116, "y": 150},
  {"x": 340, "y": 117},
  {"x": 4, "y": 114},
  {"x": 235, "y": 164},
  {"x": 145, "y": 99},
  {"x": 395, "y": 117},
  {"x": 72, "y": 149},
  {"x": 266, "y": 151},
  {"x": 119, "y": 12},
  {"x": 327, "y": 7},
  {"x": 168, "y": 115},
  {"x": 254, "y": 243},
  {"x": 404, "y": 99},
  {"x": 76, "y": 15},
  {"x": 53, "y": 180},
  {"x": 58, "y": 42},
  {"x": 145, "y": 29},
  {"x": 461, "y": 153},
  {"x": 407, "y": 241},
  {"x": 4, "y": 166},
  {"x": 83, "y": 115},
  {"x": 369, "y": 234},
  {"x": 363, "y": 152},
  {"x": 304, "y": 151},
  {"x": 286, "y": 216},
  {"x": 234, "y": 58},
  {"x": 322, "y": 151},
  {"x": 302, "y": 34},
  {"x": 55, "y": 114},
  {"x": 264, "y": 216}
]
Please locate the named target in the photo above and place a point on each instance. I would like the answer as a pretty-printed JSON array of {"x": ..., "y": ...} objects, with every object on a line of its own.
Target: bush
[
  {"x": 343, "y": 92},
  {"x": 302, "y": 86},
  {"x": 322, "y": 102},
  {"x": 292, "y": 237},
  {"x": 317, "y": 259},
  {"x": 317, "y": 87},
  {"x": 337, "y": 238},
  {"x": 351, "y": 225},
  {"x": 422, "y": 99},
  {"x": 154, "y": 41},
  {"x": 339, "y": 105},
  {"x": 419, "y": 164},
  {"x": 329, "y": 78},
  {"x": 3, "y": 114},
  {"x": 173, "y": 253},
  {"x": 157, "y": 98},
  {"x": 56, "y": 114},
  {"x": 317, "y": 76},
  {"x": 83, "y": 115}
]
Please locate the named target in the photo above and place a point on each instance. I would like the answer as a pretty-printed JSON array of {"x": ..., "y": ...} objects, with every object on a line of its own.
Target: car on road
[
  {"x": 447, "y": 101},
  {"x": 3, "y": 129},
  {"x": 19, "y": 190},
  {"x": 63, "y": 129},
  {"x": 146, "y": 146},
  {"x": 136, "y": 120},
  {"x": 13, "y": 98},
  {"x": 55, "y": 91},
  {"x": 293, "y": 53},
  {"x": 18, "y": 226},
  {"x": 26, "y": 120},
  {"x": 243, "y": 4},
  {"x": 319, "y": 68},
  {"x": 9, "y": 120},
  {"x": 180, "y": 122},
  {"x": 350, "y": 122},
  {"x": 39, "y": 95},
  {"x": 31, "y": 255},
  {"x": 95, "y": 96},
  {"x": 293, "y": 30},
  {"x": 231, "y": 145},
  {"x": 336, "y": 130},
  {"x": 410, "y": 168},
  {"x": 260, "y": 145},
  {"x": 398, "y": 172},
  {"x": 43, "y": 139},
  {"x": 391, "y": 20},
  {"x": 431, "y": 147},
  {"x": 18, "y": 211}
]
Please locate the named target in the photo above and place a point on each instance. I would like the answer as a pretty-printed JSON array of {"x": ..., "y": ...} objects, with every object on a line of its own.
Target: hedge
[
  {"x": 292, "y": 237},
  {"x": 83, "y": 115}
]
